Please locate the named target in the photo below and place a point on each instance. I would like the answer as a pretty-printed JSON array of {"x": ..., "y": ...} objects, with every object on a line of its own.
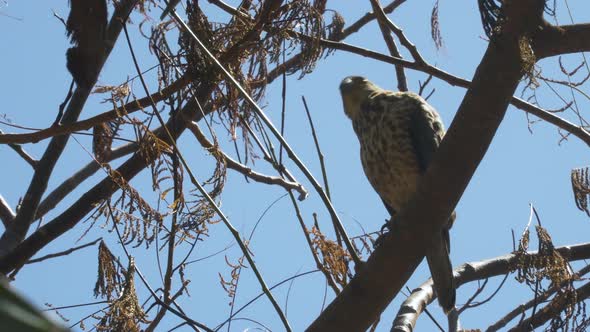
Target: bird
[{"x": 399, "y": 133}]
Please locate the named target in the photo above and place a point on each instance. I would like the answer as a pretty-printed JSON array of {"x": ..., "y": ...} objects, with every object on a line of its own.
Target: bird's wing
[{"x": 426, "y": 131}]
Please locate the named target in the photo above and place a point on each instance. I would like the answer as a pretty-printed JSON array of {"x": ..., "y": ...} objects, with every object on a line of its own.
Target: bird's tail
[{"x": 441, "y": 269}]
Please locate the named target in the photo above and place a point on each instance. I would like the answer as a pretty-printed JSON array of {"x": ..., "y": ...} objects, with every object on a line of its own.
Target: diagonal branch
[
  {"x": 469, "y": 136},
  {"x": 402, "y": 83},
  {"x": 247, "y": 171},
  {"x": 110, "y": 115},
  {"x": 21, "y": 152},
  {"x": 6, "y": 213},
  {"x": 551, "y": 310},
  {"x": 399, "y": 33},
  {"x": 281, "y": 139},
  {"x": 63, "y": 253},
  {"x": 15, "y": 234},
  {"x": 413, "y": 306},
  {"x": 71, "y": 183}
]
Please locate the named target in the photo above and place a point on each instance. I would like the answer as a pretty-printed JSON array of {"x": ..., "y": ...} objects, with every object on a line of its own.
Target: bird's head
[{"x": 354, "y": 91}]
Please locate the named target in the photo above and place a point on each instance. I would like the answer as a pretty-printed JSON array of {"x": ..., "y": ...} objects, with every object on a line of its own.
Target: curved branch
[
  {"x": 245, "y": 170},
  {"x": 553, "y": 308},
  {"x": 413, "y": 306},
  {"x": 535, "y": 301}
]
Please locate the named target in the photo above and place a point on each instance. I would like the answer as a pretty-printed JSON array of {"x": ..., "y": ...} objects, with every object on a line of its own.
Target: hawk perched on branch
[{"x": 399, "y": 132}]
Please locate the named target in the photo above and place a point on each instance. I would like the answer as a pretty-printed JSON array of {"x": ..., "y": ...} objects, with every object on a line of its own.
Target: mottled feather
[{"x": 399, "y": 133}]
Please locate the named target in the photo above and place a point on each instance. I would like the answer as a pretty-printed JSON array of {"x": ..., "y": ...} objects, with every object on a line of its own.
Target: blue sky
[{"x": 520, "y": 168}]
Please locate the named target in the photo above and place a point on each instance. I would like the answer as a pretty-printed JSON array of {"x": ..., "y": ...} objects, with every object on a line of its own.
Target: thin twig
[
  {"x": 521, "y": 309},
  {"x": 218, "y": 327},
  {"x": 63, "y": 253},
  {"x": 322, "y": 163},
  {"x": 329, "y": 280},
  {"x": 489, "y": 298},
  {"x": 21, "y": 152},
  {"x": 475, "y": 294},
  {"x": 368, "y": 17},
  {"x": 202, "y": 190},
  {"x": 267, "y": 156},
  {"x": 398, "y": 32},
  {"x": 247, "y": 171},
  {"x": 278, "y": 136},
  {"x": 144, "y": 280},
  {"x": 75, "y": 305},
  {"x": 40, "y": 179},
  {"x": 171, "y": 244},
  {"x": 402, "y": 82}
]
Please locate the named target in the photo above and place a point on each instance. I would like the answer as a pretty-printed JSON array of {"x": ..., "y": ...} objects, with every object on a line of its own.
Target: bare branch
[
  {"x": 63, "y": 253},
  {"x": 402, "y": 83},
  {"x": 110, "y": 115},
  {"x": 15, "y": 235},
  {"x": 398, "y": 32},
  {"x": 6, "y": 214},
  {"x": 287, "y": 147},
  {"x": 21, "y": 152},
  {"x": 247, "y": 171},
  {"x": 553, "y": 308},
  {"x": 368, "y": 17},
  {"x": 556, "y": 40},
  {"x": 413, "y": 306}
]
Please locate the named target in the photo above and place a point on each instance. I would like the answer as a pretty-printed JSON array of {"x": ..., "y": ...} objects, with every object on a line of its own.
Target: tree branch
[
  {"x": 413, "y": 306},
  {"x": 21, "y": 152},
  {"x": 63, "y": 253},
  {"x": 551, "y": 310},
  {"x": 556, "y": 40},
  {"x": 71, "y": 183},
  {"x": 6, "y": 214},
  {"x": 247, "y": 171},
  {"x": 110, "y": 115},
  {"x": 402, "y": 83},
  {"x": 15, "y": 234}
]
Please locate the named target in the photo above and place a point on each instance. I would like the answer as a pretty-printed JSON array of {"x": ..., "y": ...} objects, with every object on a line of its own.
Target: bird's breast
[{"x": 388, "y": 157}]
